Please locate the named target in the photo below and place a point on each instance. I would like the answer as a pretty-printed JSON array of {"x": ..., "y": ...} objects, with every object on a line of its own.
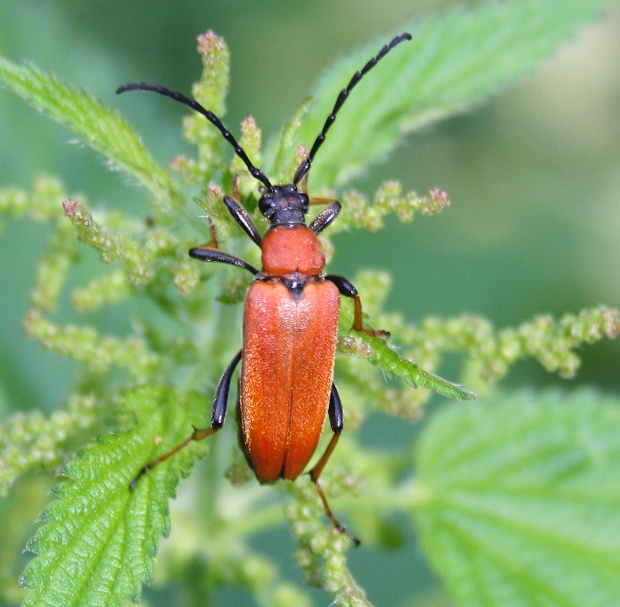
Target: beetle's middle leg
[{"x": 347, "y": 289}]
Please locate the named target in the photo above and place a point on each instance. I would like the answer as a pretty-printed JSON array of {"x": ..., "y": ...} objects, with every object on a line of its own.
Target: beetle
[{"x": 290, "y": 321}]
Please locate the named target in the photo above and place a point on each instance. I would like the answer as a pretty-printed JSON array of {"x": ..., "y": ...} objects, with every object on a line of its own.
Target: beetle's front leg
[
  {"x": 326, "y": 216},
  {"x": 240, "y": 215},
  {"x": 205, "y": 253}
]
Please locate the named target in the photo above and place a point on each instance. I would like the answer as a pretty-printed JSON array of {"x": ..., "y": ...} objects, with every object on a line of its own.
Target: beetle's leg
[
  {"x": 303, "y": 186},
  {"x": 218, "y": 415},
  {"x": 347, "y": 289},
  {"x": 210, "y": 252},
  {"x": 242, "y": 217},
  {"x": 220, "y": 400},
  {"x": 212, "y": 244},
  {"x": 326, "y": 216},
  {"x": 336, "y": 421},
  {"x": 207, "y": 254}
]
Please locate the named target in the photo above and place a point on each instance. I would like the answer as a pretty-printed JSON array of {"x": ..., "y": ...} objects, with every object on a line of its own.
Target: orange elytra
[{"x": 290, "y": 320}]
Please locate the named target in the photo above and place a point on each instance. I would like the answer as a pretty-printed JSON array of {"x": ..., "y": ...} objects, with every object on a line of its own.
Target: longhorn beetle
[{"x": 290, "y": 320}]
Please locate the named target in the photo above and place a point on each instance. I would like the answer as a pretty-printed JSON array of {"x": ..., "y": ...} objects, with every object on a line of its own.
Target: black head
[
  {"x": 280, "y": 203},
  {"x": 284, "y": 204}
]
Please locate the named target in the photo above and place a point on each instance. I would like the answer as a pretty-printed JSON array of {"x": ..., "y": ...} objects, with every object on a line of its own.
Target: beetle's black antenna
[
  {"x": 210, "y": 116},
  {"x": 304, "y": 167}
]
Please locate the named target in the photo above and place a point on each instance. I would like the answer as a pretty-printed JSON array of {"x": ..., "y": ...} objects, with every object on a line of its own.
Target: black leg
[
  {"x": 325, "y": 217},
  {"x": 336, "y": 420},
  {"x": 335, "y": 413},
  {"x": 347, "y": 289},
  {"x": 241, "y": 216},
  {"x": 218, "y": 415},
  {"x": 215, "y": 255},
  {"x": 220, "y": 400}
]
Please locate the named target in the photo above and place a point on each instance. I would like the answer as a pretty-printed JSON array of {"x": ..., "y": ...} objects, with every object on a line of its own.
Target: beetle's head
[{"x": 284, "y": 204}]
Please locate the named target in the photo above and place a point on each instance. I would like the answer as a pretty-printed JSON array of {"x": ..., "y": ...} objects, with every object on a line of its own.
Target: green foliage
[
  {"x": 99, "y": 126},
  {"x": 514, "y": 495},
  {"x": 107, "y": 552},
  {"x": 518, "y": 499},
  {"x": 454, "y": 61}
]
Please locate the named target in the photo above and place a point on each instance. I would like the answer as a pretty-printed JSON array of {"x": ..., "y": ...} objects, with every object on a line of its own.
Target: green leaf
[
  {"x": 101, "y": 127},
  {"x": 395, "y": 366},
  {"x": 378, "y": 352},
  {"x": 520, "y": 500},
  {"x": 99, "y": 538},
  {"x": 454, "y": 61}
]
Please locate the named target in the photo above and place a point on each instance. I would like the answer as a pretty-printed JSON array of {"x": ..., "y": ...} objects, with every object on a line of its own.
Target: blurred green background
[{"x": 534, "y": 174}]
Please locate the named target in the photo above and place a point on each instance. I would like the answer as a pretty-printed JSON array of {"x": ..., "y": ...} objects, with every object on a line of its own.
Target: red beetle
[{"x": 290, "y": 321}]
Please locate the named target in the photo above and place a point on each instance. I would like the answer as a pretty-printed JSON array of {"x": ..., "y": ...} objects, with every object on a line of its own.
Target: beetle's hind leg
[
  {"x": 218, "y": 415},
  {"x": 197, "y": 435},
  {"x": 336, "y": 420}
]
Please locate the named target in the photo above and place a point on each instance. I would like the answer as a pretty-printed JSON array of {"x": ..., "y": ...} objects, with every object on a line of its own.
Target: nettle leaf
[
  {"x": 98, "y": 538},
  {"x": 100, "y": 127},
  {"x": 454, "y": 61},
  {"x": 395, "y": 366},
  {"x": 520, "y": 500},
  {"x": 379, "y": 352}
]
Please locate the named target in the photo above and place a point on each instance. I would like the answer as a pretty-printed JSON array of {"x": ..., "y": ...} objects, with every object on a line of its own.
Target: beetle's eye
[
  {"x": 265, "y": 206},
  {"x": 305, "y": 205}
]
